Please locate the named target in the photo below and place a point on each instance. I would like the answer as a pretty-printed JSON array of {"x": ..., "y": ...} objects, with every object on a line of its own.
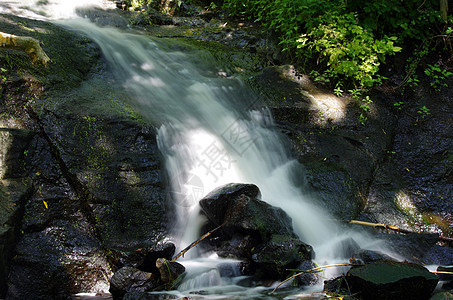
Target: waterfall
[
  {"x": 212, "y": 131},
  {"x": 209, "y": 135}
]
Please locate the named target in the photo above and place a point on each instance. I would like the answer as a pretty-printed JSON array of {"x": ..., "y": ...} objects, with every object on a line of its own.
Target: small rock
[
  {"x": 128, "y": 279},
  {"x": 370, "y": 256},
  {"x": 169, "y": 270},
  {"x": 307, "y": 279}
]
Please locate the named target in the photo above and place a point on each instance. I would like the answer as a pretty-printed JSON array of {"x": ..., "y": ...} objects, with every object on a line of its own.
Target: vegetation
[{"x": 348, "y": 40}]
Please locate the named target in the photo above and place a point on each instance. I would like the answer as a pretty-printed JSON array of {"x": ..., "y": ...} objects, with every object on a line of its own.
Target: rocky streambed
[{"x": 83, "y": 194}]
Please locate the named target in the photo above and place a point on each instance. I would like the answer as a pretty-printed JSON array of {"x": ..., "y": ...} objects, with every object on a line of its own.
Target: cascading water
[{"x": 210, "y": 135}]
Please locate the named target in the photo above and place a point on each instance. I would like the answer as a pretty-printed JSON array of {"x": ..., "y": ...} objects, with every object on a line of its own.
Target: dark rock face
[
  {"x": 391, "y": 280},
  {"x": 254, "y": 231},
  {"x": 338, "y": 154},
  {"x": 85, "y": 198},
  {"x": 82, "y": 182},
  {"x": 14, "y": 191},
  {"x": 115, "y": 163},
  {"x": 395, "y": 169}
]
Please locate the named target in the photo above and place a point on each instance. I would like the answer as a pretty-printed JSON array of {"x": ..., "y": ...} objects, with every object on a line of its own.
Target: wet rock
[
  {"x": 228, "y": 269},
  {"x": 336, "y": 286},
  {"x": 346, "y": 248},
  {"x": 114, "y": 162},
  {"x": 15, "y": 188},
  {"x": 216, "y": 203},
  {"x": 58, "y": 261},
  {"x": 13, "y": 149},
  {"x": 442, "y": 296},
  {"x": 282, "y": 252},
  {"x": 448, "y": 285},
  {"x": 438, "y": 255},
  {"x": 145, "y": 258},
  {"x": 87, "y": 190},
  {"x": 253, "y": 231},
  {"x": 307, "y": 279},
  {"x": 69, "y": 212},
  {"x": 338, "y": 155},
  {"x": 169, "y": 271},
  {"x": 391, "y": 280},
  {"x": 410, "y": 247},
  {"x": 415, "y": 181},
  {"x": 131, "y": 280},
  {"x": 370, "y": 256},
  {"x": 151, "y": 17},
  {"x": 12, "y": 195},
  {"x": 237, "y": 207}
]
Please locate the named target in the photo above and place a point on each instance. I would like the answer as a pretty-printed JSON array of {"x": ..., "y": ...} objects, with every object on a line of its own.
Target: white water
[{"x": 209, "y": 137}]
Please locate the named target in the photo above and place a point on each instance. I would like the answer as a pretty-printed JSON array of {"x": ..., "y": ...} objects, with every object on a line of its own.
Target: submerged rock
[{"x": 254, "y": 231}]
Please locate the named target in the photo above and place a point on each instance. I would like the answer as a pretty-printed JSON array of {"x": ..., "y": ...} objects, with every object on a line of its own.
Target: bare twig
[
  {"x": 394, "y": 228},
  {"x": 194, "y": 243},
  {"x": 309, "y": 271}
]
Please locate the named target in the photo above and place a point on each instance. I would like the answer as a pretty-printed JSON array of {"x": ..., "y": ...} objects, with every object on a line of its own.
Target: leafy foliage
[
  {"x": 347, "y": 48},
  {"x": 438, "y": 76},
  {"x": 348, "y": 39}
]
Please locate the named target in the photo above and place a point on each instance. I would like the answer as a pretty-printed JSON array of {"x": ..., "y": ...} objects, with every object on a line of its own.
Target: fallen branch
[
  {"x": 394, "y": 228},
  {"x": 29, "y": 45},
  {"x": 338, "y": 265},
  {"x": 194, "y": 244},
  {"x": 309, "y": 271},
  {"x": 442, "y": 272}
]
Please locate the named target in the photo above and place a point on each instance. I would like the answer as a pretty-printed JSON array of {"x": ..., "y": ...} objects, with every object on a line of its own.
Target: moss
[{"x": 233, "y": 60}]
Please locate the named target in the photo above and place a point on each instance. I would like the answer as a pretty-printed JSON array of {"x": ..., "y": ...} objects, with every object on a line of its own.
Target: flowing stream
[{"x": 212, "y": 132}]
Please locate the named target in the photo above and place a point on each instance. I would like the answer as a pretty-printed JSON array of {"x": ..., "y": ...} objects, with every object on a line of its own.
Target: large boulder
[
  {"x": 254, "y": 231},
  {"x": 390, "y": 280}
]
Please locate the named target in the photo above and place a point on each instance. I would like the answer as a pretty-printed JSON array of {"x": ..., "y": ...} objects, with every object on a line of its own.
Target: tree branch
[
  {"x": 26, "y": 44},
  {"x": 394, "y": 228}
]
